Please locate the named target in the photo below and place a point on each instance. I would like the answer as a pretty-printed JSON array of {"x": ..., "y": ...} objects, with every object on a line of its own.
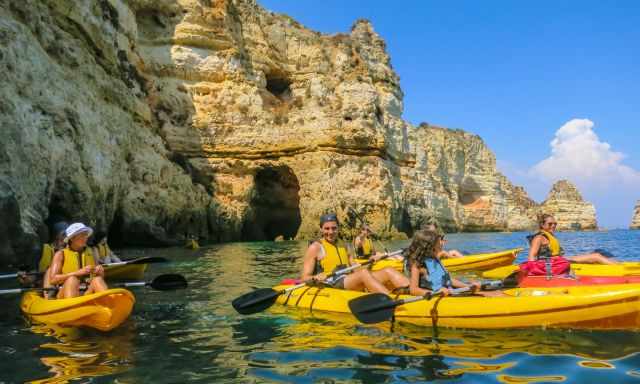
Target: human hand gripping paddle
[
  {"x": 166, "y": 282},
  {"x": 140, "y": 260},
  {"x": 378, "y": 307},
  {"x": 261, "y": 299}
]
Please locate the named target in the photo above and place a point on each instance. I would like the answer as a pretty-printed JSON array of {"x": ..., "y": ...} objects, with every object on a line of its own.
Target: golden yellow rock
[{"x": 157, "y": 118}]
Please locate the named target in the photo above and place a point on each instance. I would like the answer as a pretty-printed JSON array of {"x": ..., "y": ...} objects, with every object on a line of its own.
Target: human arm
[
  {"x": 309, "y": 264},
  {"x": 414, "y": 282},
  {"x": 474, "y": 285},
  {"x": 534, "y": 250}
]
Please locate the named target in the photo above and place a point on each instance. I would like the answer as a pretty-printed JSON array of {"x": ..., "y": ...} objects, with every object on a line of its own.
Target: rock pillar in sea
[
  {"x": 635, "y": 221},
  {"x": 566, "y": 204}
]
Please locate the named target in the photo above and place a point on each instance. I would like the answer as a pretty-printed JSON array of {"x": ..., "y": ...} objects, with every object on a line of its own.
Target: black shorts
[{"x": 337, "y": 283}]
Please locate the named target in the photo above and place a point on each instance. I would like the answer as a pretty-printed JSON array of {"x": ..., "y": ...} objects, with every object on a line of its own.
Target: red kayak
[{"x": 571, "y": 281}]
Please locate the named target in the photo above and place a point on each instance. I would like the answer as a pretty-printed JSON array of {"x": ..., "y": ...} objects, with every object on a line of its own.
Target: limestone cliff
[
  {"x": 635, "y": 221},
  {"x": 160, "y": 119},
  {"x": 570, "y": 210}
]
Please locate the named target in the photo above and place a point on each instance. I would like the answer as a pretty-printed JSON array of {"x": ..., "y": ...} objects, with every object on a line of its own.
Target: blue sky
[{"x": 518, "y": 74}]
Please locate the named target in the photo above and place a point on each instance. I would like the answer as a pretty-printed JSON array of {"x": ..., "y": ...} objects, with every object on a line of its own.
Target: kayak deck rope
[{"x": 314, "y": 298}]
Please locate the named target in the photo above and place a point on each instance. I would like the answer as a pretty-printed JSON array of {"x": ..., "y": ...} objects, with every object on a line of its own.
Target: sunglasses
[{"x": 551, "y": 224}]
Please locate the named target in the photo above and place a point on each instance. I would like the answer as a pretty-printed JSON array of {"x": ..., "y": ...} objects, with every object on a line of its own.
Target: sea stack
[
  {"x": 635, "y": 221},
  {"x": 566, "y": 204}
]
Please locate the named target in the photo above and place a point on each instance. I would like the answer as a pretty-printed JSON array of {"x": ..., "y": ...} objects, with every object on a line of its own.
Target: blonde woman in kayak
[
  {"x": 75, "y": 264},
  {"x": 428, "y": 275},
  {"x": 545, "y": 244},
  {"x": 329, "y": 254}
]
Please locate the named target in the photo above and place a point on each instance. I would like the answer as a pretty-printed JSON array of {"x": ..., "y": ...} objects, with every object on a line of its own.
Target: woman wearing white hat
[{"x": 75, "y": 263}]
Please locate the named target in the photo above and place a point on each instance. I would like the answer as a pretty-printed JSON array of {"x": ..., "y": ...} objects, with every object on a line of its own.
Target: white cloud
[{"x": 579, "y": 155}]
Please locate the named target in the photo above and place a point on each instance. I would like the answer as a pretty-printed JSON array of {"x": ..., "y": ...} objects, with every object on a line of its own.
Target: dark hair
[
  {"x": 96, "y": 238},
  {"x": 543, "y": 218},
  {"x": 58, "y": 228},
  {"x": 328, "y": 217},
  {"x": 422, "y": 246}
]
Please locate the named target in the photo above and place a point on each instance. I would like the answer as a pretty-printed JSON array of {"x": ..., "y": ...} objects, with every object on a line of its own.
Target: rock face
[
  {"x": 565, "y": 203},
  {"x": 155, "y": 120},
  {"x": 635, "y": 221}
]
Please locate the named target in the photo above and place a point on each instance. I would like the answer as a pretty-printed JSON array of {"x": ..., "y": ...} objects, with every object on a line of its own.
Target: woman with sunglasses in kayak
[
  {"x": 545, "y": 248},
  {"x": 330, "y": 254}
]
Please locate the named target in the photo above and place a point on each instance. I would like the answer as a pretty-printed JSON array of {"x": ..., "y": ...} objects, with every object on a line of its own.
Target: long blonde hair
[{"x": 423, "y": 246}]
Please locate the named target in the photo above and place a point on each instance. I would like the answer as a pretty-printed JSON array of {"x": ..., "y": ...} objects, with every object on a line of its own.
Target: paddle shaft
[
  {"x": 20, "y": 290},
  {"x": 413, "y": 299},
  {"x": 261, "y": 299},
  {"x": 336, "y": 273}
]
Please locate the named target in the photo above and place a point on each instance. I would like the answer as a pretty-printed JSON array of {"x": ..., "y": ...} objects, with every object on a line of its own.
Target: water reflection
[
  {"x": 295, "y": 346},
  {"x": 81, "y": 354}
]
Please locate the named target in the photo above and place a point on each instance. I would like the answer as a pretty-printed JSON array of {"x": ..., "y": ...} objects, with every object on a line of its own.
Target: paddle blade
[
  {"x": 373, "y": 308},
  {"x": 168, "y": 282},
  {"x": 255, "y": 301}
]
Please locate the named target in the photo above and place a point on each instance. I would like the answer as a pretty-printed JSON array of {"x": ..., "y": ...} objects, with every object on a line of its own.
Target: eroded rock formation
[
  {"x": 566, "y": 204},
  {"x": 635, "y": 221},
  {"x": 161, "y": 119}
]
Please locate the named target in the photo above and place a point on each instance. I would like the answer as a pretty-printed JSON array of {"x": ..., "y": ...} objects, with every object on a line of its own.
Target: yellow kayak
[
  {"x": 623, "y": 269},
  {"x": 590, "y": 307},
  {"x": 103, "y": 310},
  {"x": 478, "y": 262},
  {"x": 125, "y": 272}
]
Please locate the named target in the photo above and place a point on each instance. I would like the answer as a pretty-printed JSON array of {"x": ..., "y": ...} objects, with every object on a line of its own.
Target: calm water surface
[{"x": 195, "y": 336}]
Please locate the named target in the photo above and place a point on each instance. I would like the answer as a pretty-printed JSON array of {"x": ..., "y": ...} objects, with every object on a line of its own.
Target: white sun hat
[{"x": 76, "y": 229}]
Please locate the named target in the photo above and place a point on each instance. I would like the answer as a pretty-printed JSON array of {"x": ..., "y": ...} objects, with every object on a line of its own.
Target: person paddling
[
  {"x": 329, "y": 254},
  {"x": 30, "y": 279},
  {"x": 546, "y": 256},
  {"x": 363, "y": 244},
  {"x": 428, "y": 275},
  {"x": 75, "y": 264}
]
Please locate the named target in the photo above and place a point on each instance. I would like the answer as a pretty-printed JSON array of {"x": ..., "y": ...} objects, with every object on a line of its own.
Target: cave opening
[
  {"x": 115, "y": 234},
  {"x": 279, "y": 86},
  {"x": 274, "y": 209}
]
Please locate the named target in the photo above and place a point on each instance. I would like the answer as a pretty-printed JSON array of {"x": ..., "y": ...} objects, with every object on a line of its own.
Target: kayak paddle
[
  {"x": 166, "y": 282},
  {"x": 139, "y": 260},
  {"x": 261, "y": 299},
  {"x": 378, "y": 307},
  {"x": 14, "y": 275},
  {"x": 20, "y": 290}
]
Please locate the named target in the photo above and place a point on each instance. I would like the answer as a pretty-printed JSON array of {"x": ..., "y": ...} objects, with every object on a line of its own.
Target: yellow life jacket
[
  {"x": 103, "y": 251},
  {"x": 365, "y": 248},
  {"x": 73, "y": 261},
  {"x": 47, "y": 255},
  {"x": 554, "y": 244},
  {"x": 334, "y": 256}
]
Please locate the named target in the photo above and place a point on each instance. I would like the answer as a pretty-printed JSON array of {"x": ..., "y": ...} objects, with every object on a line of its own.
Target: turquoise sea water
[{"x": 194, "y": 335}]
